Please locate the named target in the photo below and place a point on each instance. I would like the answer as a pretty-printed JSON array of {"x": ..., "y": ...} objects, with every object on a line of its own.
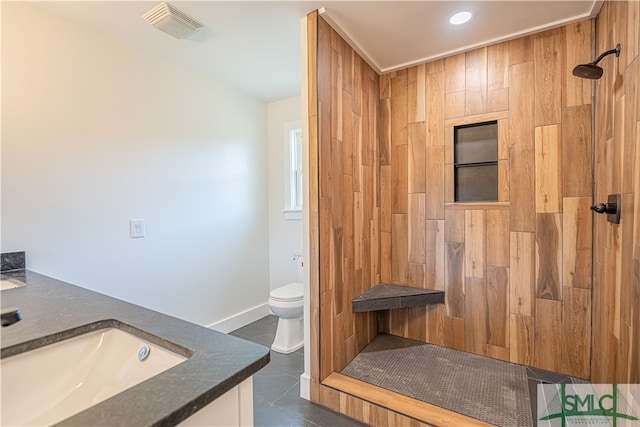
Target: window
[
  {"x": 293, "y": 191},
  {"x": 476, "y": 162}
]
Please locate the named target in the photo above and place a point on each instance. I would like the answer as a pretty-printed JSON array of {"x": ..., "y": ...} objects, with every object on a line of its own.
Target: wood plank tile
[
  {"x": 347, "y": 134},
  {"x": 521, "y": 109},
  {"x": 475, "y": 319},
  {"x": 434, "y": 178},
  {"x": 476, "y": 82},
  {"x": 436, "y": 66},
  {"x": 454, "y": 292},
  {"x": 348, "y": 210},
  {"x": 435, "y": 108},
  {"x": 576, "y": 325},
  {"x": 577, "y": 170},
  {"x": 433, "y": 415},
  {"x": 498, "y": 238},
  {"x": 521, "y": 189},
  {"x": 416, "y": 325},
  {"x": 336, "y": 95},
  {"x": 498, "y": 77},
  {"x": 385, "y": 198},
  {"x": 416, "y": 81},
  {"x": 449, "y": 185},
  {"x": 336, "y": 271},
  {"x": 577, "y": 242},
  {"x": 417, "y": 158},
  {"x": 522, "y": 273},
  {"x": 399, "y": 179},
  {"x": 475, "y": 243},
  {"x": 458, "y": 333},
  {"x": 434, "y": 266},
  {"x": 547, "y": 53},
  {"x": 548, "y": 335},
  {"x": 454, "y": 72},
  {"x": 385, "y": 132},
  {"x": 323, "y": 60},
  {"x": 326, "y": 326},
  {"x": 633, "y": 31},
  {"x": 416, "y": 275},
  {"x": 549, "y": 256},
  {"x": 520, "y": 51},
  {"x": 521, "y": 339},
  {"x": 416, "y": 231},
  {"x": 497, "y": 352},
  {"x": 503, "y": 140},
  {"x": 454, "y": 105},
  {"x": 548, "y": 166},
  {"x": 399, "y": 108},
  {"x": 385, "y": 256},
  {"x": 503, "y": 181},
  {"x": 399, "y": 249},
  {"x": 626, "y": 262},
  {"x": 454, "y": 226},
  {"x": 435, "y": 324},
  {"x": 497, "y": 306},
  {"x": 577, "y": 50},
  {"x": 631, "y": 107},
  {"x": 476, "y": 118}
]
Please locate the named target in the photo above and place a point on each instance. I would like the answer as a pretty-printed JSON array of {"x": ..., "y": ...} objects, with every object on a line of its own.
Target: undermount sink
[
  {"x": 51, "y": 383},
  {"x": 10, "y": 284}
]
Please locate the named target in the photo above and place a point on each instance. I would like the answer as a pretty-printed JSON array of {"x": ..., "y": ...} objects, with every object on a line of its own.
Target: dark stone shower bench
[{"x": 385, "y": 296}]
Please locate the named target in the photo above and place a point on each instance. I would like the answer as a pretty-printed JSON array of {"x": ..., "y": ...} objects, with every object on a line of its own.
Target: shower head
[{"x": 591, "y": 70}]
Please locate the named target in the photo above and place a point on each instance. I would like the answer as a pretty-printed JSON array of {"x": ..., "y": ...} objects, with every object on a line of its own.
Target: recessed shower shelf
[{"x": 385, "y": 296}]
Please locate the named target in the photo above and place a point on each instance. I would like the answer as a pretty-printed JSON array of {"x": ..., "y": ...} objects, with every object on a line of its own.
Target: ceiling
[{"x": 254, "y": 46}]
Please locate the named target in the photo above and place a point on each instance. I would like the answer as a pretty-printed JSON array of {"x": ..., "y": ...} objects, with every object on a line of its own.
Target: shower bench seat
[{"x": 385, "y": 296}]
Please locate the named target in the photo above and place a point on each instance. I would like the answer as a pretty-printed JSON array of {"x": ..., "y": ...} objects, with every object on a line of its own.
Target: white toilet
[{"x": 286, "y": 303}]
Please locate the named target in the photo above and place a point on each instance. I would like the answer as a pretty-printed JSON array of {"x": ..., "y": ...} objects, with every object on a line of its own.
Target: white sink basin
[{"x": 51, "y": 383}]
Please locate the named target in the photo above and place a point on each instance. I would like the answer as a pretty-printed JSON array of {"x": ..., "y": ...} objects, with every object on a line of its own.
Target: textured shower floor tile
[{"x": 483, "y": 388}]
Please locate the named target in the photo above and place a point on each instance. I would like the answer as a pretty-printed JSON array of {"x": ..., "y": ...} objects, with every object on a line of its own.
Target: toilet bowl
[{"x": 286, "y": 303}]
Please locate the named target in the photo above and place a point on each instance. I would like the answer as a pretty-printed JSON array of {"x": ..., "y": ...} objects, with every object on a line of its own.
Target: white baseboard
[
  {"x": 241, "y": 319},
  {"x": 305, "y": 386}
]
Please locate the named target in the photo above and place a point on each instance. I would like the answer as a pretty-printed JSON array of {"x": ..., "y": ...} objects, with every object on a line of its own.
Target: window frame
[
  {"x": 460, "y": 165},
  {"x": 293, "y": 191}
]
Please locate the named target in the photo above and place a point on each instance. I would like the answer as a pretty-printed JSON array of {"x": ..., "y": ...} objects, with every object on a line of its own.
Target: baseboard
[
  {"x": 305, "y": 386},
  {"x": 241, "y": 319}
]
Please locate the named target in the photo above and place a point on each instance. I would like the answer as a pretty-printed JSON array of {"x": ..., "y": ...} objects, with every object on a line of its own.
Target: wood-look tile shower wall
[
  {"x": 616, "y": 293},
  {"x": 349, "y": 208},
  {"x": 517, "y": 272}
]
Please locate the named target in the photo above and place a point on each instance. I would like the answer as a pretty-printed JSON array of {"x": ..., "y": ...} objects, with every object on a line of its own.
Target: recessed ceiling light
[{"x": 460, "y": 17}]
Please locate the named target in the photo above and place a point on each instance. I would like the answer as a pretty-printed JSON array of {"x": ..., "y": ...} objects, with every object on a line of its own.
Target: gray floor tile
[
  {"x": 312, "y": 412},
  {"x": 268, "y": 415},
  {"x": 276, "y": 387},
  {"x": 290, "y": 364},
  {"x": 270, "y": 385}
]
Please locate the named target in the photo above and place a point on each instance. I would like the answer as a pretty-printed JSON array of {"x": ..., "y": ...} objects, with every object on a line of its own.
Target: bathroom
[{"x": 84, "y": 238}]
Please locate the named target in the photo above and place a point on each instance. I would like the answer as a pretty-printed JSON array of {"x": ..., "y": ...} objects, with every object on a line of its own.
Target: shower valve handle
[{"x": 608, "y": 208}]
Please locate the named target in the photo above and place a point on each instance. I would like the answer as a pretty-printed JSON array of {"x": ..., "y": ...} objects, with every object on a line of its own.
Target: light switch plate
[{"x": 136, "y": 228}]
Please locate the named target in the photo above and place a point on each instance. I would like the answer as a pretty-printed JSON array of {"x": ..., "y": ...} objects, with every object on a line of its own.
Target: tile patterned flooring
[{"x": 276, "y": 387}]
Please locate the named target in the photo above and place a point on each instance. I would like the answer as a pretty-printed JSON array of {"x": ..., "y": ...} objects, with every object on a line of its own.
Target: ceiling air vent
[{"x": 172, "y": 21}]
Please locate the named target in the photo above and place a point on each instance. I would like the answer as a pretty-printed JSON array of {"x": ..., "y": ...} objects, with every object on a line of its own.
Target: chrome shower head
[{"x": 591, "y": 70}]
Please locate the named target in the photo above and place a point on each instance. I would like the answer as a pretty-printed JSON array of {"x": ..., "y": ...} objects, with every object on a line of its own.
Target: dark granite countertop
[{"x": 53, "y": 310}]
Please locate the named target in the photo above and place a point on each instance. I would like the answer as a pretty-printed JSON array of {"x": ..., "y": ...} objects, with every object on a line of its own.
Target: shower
[{"x": 591, "y": 70}]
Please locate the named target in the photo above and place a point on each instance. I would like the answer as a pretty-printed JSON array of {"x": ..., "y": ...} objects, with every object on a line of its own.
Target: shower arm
[{"x": 616, "y": 50}]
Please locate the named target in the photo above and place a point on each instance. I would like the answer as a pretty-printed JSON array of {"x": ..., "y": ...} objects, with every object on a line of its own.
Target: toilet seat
[{"x": 288, "y": 293}]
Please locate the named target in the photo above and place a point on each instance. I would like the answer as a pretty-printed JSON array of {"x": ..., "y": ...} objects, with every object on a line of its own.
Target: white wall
[
  {"x": 95, "y": 133},
  {"x": 285, "y": 236}
]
